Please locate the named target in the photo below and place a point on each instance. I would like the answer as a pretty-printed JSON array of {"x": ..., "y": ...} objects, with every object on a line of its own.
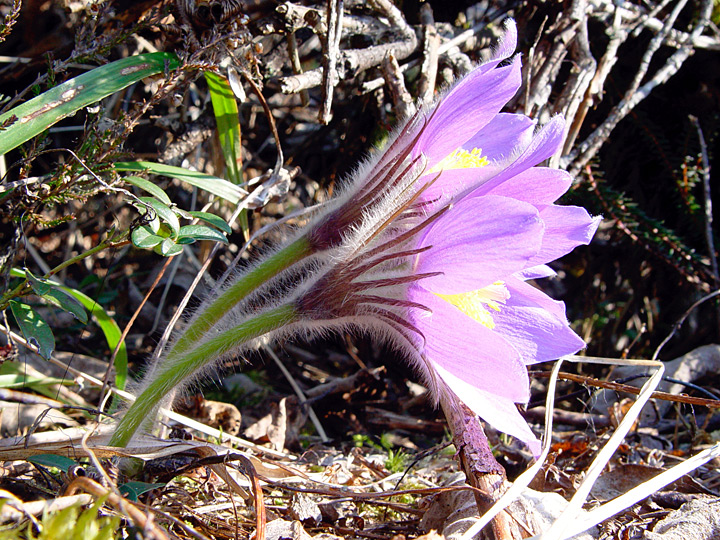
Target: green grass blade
[
  {"x": 212, "y": 184},
  {"x": 35, "y": 116},
  {"x": 228, "y": 125},
  {"x": 111, "y": 330}
]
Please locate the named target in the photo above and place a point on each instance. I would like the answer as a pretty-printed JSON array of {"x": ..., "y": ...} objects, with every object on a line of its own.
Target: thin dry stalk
[
  {"x": 430, "y": 44},
  {"x": 331, "y": 52},
  {"x": 402, "y": 101},
  {"x": 578, "y": 158}
]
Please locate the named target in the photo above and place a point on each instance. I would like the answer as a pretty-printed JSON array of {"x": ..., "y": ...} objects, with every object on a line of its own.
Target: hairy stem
[
  {"x": 211, "y": 314},
  {"x": 176, "y": 371}
]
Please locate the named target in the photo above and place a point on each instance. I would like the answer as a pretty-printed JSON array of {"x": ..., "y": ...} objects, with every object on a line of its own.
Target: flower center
[
  {"x": 462, "y": 159},
  {"x": 475, "y": 304}
]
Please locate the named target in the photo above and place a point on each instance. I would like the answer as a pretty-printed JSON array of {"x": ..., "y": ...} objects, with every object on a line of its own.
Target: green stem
[
  {"x": 105, "y": 244},
  {"x": 211, "y": 314},
  {"x": 174, "y": 372}
]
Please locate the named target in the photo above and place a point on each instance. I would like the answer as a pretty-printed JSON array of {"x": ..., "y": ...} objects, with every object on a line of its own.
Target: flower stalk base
[{"x": 172, "y": 374}]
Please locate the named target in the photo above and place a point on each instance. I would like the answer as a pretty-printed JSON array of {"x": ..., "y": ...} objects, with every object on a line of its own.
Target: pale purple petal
[
  {"x": 466, "y": 109},
  {"x": 537, "y": 185},
  {"x": 535, "y": 324},
  {"x": 536, "y": 272},
  {"x": 453, "y": 182},
  {"x": 545, "y": 143},
  {"x": 462, "y": 346},
  {"x": 498, "y": 411},
  {"x": 505, "y": 48},
  {"x": 503, "y": 135},
  {"x": 566, "y": 227},
  {"x": 467, "y": 97},
  {"x": 480, "y": 241}
]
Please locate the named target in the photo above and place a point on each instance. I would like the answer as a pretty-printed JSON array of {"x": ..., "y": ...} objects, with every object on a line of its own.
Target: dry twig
[
  {"x": 429, "y": 67},
  {"x": 579, "y": 157},
  {"x": 401, "y": 98},
  {"x": 331, "y": 52}
]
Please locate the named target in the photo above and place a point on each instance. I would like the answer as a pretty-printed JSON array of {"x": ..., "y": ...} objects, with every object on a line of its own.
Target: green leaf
[
  {"x": 51, "y": 460},
  {"x": 35, "y": 116},
  {"x": 147, "y": 185},
  {"x": 35, "y": 330},
  {"x": 169, "y": 248},
  {"x": 212, "y": 184},
  {"x": 212, "y": 219},
  {"x": 67, "y": 303},
  {"x": 202, "y": 232},
  {"x": 106, "y": 323},
  {"x": 164, "y": 213},
  {"x": 228, "y": 125},
  {"x": 11, "y": 376},
  {"x": 39, "y": 286},
  {"x": 182, "y": 213},
  {"x": 143, "y": 237},
  {"x": 185, "y": 240},
  {"x": 47, "y": 291},
  {"x": 133, "y": 489}
]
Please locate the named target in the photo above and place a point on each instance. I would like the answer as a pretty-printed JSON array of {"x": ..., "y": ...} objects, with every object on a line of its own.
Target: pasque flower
[
  {"x": 430, "y": 246},
  {"x": 450, "y": 287}
]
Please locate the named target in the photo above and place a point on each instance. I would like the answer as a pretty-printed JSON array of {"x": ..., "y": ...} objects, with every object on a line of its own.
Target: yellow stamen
[
  {"x": 462, "y": 159},
  {"x": 475, "y": 304}
]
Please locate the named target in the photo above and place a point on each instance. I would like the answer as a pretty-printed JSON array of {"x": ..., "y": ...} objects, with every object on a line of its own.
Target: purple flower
[
  {"x": 446, "y": 228},
  {"x": 487, "y": 323}
]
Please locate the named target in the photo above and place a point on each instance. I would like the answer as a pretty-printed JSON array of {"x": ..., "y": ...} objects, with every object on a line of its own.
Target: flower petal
[
  {"x": 480, "y": 241},
  {"x": 543, "y": 146},
  {"x": 469, "y": 106},
  {"x": 499, "y": 412},
  {"x": 537, "y": 185},
  {"x": 498, "y": 141},
  {"x": 507, "y": 44},
  {"x": 566, "y": 227},
  {"x": 452, "y": 183},
  {"x": 502, "y": 136},
  {"x": 465, "y": 348},
  {"x": 535, "y": 324},
  {"x": 536, "y": 272}
]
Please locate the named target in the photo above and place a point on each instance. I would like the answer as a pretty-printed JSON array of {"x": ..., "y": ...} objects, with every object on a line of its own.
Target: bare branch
[
  {"x": 429, "y": 67},
  {"x": 401, "y": 98},
  {"x": 331, "y": 52},
  {"x": 577, "y": 159}
]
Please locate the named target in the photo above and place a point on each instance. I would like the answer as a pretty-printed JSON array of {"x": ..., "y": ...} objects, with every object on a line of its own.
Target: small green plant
[
  {"x": 396, "y": 461},
  {"x": 37, "y": 332},
  {"x": 71, "y": 523}
]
